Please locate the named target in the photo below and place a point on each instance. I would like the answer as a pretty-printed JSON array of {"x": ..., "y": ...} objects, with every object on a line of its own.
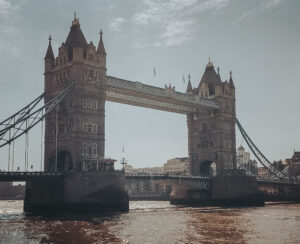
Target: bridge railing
[
  {"x": 163, "y": 175},
  {"x": 278, "y": 181},
  {"x": 30, "y": 173}
]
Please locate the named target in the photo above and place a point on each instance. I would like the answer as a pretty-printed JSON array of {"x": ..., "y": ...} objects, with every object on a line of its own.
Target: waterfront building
[
  {"x": 177, "y": 166},
  {"x": 263, "y": 173},
  {"x": 8, "y": 191},
  {"x": 244, "y": 162},
  {"x": 148, "y": 170}
]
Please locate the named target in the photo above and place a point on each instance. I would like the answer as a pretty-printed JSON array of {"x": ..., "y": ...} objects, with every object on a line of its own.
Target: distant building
[
  {"x": 263, "y": 173},
  {"x": 177, "y": 166},
  {"x": 280, "y": 165},
  {"x": 243, "y": 161},
  {"x": 154, "y": 189},
  {"x": 148, "y": 170},
  {"x": 8, "y": 191}
]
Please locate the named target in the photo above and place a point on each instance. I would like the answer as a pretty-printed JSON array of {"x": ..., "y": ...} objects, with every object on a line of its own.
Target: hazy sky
[{"x": 259, "y": 40}]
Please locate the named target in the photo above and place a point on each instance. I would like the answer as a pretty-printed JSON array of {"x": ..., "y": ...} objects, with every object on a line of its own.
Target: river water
[{"x": 155, "y": 222}]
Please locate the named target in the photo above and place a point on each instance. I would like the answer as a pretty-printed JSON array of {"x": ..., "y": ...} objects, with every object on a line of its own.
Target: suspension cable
[
  {"x": 13, "y": 151},
  {"x": 34, "y": 116},
  {"x": 259, "y": 155},
  {"x": 42, "y": 129},
  {"x": 8, "y": 153},
  {"x": 13, "y": 156},
  {"x": 56, "y": 136}
]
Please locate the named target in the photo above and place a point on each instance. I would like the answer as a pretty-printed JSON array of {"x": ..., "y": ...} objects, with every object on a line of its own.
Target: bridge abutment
[{"x": 223, "y": 191}]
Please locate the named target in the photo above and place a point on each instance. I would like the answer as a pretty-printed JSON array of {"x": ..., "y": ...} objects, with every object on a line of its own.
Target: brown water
[{"x": 156, "y": 222}]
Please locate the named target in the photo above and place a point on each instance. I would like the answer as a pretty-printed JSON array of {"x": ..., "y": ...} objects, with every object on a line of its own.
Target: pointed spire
[
  {"x": 209, "y": 64},
  {"x": 218, "y": 69},
  {"x": 75, "y": 37},
  {"x": 76, "y": 20},
  {"x": 100, "y": 48},
  {"x": 49, "y": 53},
  {"x": 189, "y": 88},
  {"x": 231, "y": 85}
]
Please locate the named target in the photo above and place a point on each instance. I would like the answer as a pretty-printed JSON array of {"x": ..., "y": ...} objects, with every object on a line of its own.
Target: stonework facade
[
  {"x": 74, "y": 132},
  {"x": 211, "y": 132},
  {"x": 177, "y": 166}
]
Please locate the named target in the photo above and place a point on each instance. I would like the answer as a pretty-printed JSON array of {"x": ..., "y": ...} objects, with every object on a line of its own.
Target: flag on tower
[
  {"x": 183, "y": 79},
  {"x": 154, "y": 72}
]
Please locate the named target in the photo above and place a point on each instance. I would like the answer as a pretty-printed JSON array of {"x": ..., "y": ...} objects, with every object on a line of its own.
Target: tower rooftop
[{"x": 76, "y": 37}]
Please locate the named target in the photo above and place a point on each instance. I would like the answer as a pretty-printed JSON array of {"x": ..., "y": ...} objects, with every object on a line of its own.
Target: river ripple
[{"x": 155, "y": 222}]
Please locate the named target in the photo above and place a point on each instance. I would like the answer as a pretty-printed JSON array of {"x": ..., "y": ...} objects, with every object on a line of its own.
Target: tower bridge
[{"x": 75, "y": 91}]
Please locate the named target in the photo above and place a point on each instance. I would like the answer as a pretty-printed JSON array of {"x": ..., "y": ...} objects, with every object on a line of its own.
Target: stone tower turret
[
  {"x": 211, "y": 132},
  {"x": 189, "y": 89},
  {"x": 74, "y": 133}
]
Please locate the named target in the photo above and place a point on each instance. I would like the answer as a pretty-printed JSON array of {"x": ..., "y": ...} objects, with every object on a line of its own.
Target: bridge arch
[
  {"x": 207, "y": 168},
  {"x": 64, "y": 161}
]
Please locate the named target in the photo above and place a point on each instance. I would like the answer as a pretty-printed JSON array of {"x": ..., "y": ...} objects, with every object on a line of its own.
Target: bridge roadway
[
  {"x": 42, "y": 175},
  {"x": 166, "y": 99}
]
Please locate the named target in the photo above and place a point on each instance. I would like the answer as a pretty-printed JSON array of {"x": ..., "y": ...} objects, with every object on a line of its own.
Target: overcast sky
[{"x": 259, "y": 40}]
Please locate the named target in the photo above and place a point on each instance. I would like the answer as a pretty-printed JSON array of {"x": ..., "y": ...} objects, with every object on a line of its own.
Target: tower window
[
  {"x": 84, "y": 103},
  {"x": 95, "y": 105},
  {"x": 84, "y": 148},
  {"x": 89, "y": 149},
  {"x": 94, "y": 149},
  {"x": 90, "y": 128},
  {"x": 91, "y": 73},
  {"x": 85, "y": 127},
  {"x": 94, "y": 129},
  {"x": 90, "y": 104}
]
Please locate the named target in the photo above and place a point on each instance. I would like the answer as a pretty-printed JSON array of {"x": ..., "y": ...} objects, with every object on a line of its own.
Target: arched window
[{"x": 211, "y": 88}]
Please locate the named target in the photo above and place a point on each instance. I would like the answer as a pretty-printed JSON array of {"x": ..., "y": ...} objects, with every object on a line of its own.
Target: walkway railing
[
  {"x": 24, "y": 176},
  {"x": 165, "y": 176}
]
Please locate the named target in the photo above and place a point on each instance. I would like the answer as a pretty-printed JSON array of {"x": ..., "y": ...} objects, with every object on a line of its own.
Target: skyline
[{"x": 162, "y": 35}]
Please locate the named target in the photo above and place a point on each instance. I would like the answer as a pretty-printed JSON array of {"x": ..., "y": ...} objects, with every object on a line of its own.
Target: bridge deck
[{"x": 41, "y": 175}]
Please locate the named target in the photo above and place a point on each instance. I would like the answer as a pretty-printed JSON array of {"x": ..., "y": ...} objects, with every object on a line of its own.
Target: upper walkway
[{"x": 166, "y": 99}]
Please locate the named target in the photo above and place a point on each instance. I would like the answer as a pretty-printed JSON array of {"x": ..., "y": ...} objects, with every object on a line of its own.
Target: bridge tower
[
  {"x": 74, "y": 133},
  {"x": 211, "y": 132}
]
